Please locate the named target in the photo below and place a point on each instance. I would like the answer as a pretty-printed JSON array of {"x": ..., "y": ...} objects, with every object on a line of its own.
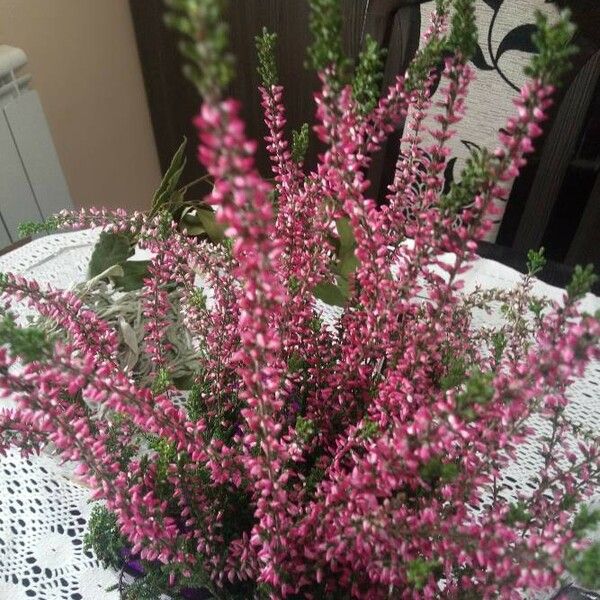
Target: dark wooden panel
[
  {"x": 397, "y": 31},
  {"x": 556, "y": 156},
  {"x": 173, "y": 101},
  {"x": 585, "y": 247}
]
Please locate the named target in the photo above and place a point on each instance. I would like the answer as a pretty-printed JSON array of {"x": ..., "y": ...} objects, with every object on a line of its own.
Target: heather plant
[{"x": 315, "y": 455}]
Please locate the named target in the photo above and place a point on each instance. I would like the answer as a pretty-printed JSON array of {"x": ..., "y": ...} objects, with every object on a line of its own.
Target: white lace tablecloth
[{"x": 43, "y": 513}]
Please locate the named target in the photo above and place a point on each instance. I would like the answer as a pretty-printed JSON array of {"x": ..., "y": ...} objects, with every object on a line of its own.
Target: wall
[{"x": 85, "y": 66}]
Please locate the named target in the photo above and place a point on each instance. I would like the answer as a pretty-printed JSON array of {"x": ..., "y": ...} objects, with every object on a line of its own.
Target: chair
[{"x": 539, "y": 211}]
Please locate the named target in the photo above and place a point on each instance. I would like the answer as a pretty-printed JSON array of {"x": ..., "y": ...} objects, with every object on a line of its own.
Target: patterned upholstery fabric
[{"x": 505, "y": 47}]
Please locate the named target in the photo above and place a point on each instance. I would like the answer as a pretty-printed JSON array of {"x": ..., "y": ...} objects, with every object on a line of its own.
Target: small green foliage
[
  {"x": 29, "y": 228},
  {"x": 463, "y": 30},
  {"x": 586, "y": 567},
  {"x": 151, "y": 586},
  {"x": 314, "y": 478},
  {"x": 473, "y": 178},
  {"x": 204, "y": 43},
  {"x": 346, "y": 263},
  {"x": 462, "y": 39},
  {"x": 166, "y": 454},
  {"x": 162, "y": 382},
  {"x": 369, "y": 429},
  {"x": 194, "y": 403},
  {"x": 435, "y": 470},
  {"x": 368, "y": 76},
  {"x": 424, "y": 60},
  {"x": 456, "y": 373},
  {"x": 326, "y": 50},
  {"x": 517, "y": 513},
  {"x": 134, "y": 274},
  {"x": 586, "y": 520},
  {"x": 478, "y": 390},
  {"x": 553, "y": 42},
  {"x": 228, "y": 245},
  {"x": 267, "y": 66},
  {"x": 305, "y": 429},
  {"x": 499, "y": 343},
  {"x": 111, "y": 250},
  {"x": 419, "y": 570},
  {"x": 536, "y": 261},
  {"x": 103, "y": 537},
  {"x": 441, "y": 6},
  {"x": 581, "y": 282},
  {"x": 165, "y": 222},
  {"x": 114, "y": 443},
  {"x": 296, "y": 363},
  {"x": 316, "y": 324},
  {"x": 300, "y": 139},
  {"x": 293, "y": 285},
  {"x": 198, "y": 299},
  {"x": 536, "y": 306},
  {"x": 568, "y": 502},
  {"x": 28, "y": 343}
]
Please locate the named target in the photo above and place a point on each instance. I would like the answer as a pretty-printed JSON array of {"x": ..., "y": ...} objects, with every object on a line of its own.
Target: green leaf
[
  {"x": 202, "y": 220},
  {"x": 369, "y": 429},
  {"x": 169, "y": 182},
  {"x": 161, "y": 382},
  {"x": 499, "y": 343},
  {"x": 330, "y": 294},
  {"x": 346, "y": 235},
  {"x": 343, "y": 285},
  {"x": 348, "y": 264},
  {"x": 346, "y": 244},
  {"x": 478, "y": 389},
  {"x": 456, "y": 373},
  {"x": 111, "y": 249},
  {"x": 134, "y": 273}
]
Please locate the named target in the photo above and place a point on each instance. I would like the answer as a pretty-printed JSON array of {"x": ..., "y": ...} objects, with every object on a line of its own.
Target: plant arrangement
[{"x": 358, "y": 456}]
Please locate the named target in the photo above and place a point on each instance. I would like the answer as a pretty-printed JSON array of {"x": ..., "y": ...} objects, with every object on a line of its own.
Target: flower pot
[{"x": 133, "y": 566}]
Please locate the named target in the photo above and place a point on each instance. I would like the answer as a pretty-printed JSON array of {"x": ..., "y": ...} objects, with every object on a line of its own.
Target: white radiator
[{"x": 32, "y": 184}]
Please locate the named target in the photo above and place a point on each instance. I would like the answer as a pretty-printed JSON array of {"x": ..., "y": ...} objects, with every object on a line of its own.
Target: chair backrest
[{"x": 505, "y": 46}]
